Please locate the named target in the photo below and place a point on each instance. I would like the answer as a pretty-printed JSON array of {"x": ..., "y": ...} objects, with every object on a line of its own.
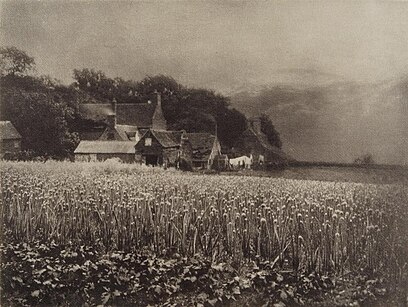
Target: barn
[
  {"x": 10, "y": 140},
  {"x": 205, "y": 148},
  {"x": 89, "y": 151},
  {"x": 160, "y": 147}
]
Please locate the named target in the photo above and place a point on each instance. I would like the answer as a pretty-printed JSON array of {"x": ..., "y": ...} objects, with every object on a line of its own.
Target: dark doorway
[{"x": 151, "y": 159}]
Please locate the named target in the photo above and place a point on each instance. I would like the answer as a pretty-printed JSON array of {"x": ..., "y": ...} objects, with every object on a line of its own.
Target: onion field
[{"x": 297, "y": 226}]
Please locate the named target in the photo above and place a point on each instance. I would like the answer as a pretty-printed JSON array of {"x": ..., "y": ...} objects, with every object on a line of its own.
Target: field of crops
[{"x": 293, "y": 225}]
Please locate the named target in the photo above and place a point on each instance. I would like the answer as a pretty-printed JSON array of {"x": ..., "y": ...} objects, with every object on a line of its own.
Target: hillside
[{"x": 321, "y": 118}]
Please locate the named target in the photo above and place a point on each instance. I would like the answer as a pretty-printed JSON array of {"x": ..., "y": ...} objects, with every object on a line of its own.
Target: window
[
  {"x": 16, "y": 144},
  {"x": 148, "y": 142}
]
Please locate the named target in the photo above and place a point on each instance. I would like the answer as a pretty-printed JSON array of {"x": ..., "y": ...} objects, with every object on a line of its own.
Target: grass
[{"x": 374, "y": 175}]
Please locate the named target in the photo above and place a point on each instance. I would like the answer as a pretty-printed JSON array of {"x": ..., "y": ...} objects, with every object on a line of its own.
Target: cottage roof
[
  {"x": 105, "y": 147},
  {"x": 8, "y": 131},
  {"x": 202, "y": 144},
  {"x": 168, "y": 138},
  {"x": 134, "y": 114},
  {"x": 126, "y": 131},
  {"x": 263, "y": 140}
]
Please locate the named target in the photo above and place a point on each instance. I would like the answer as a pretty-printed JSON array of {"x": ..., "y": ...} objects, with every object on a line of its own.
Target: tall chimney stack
[
  {"x": 158, "y": 120},
  {"x": 114, "y": 106},
  {"x": 158, "y": 98},
  {"x": 111, "y": 119}
]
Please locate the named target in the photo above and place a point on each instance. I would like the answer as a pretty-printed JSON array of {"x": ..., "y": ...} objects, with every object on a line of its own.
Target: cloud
[{"x": 210, "y": 44}]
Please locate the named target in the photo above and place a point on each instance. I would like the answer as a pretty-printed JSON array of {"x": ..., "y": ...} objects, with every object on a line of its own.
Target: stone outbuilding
[
  {"x": 10, "y": 140},
  {"x": 205, "y": 148}
]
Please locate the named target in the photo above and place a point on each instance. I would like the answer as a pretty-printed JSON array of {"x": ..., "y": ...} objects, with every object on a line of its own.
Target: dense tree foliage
[
  {"x": 365, "y": 159},
  {"x": 14, "y": 61},
  {"x": 40, "y": 113},
  {"x": 39, "y": 107},
  {"x": 194, "y": 110},
  {"x": 45, "y": 112}
]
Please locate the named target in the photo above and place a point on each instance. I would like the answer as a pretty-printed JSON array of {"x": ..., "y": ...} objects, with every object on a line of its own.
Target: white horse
[{"x": 243, "y": 161}]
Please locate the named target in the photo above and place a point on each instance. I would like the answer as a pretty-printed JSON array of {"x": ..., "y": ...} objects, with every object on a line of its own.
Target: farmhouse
[
  {"x": 160, "y": 147},
  {"x": 145, "y": 125},
  {"x": 121, "y": 121},
  {"x": 10, "y": 139},
  {"x": 89, "y": 151},
  {"x": 253, "y": 142}
]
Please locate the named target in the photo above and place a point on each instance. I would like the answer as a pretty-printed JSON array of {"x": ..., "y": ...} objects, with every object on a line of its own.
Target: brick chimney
[
  {"x": 111, "y": 121},
  {"x": 111, "y": 117},
  {"x": 158, "y": 120},
  {"x": 114, "y": 106},
  {"x": 158, "y": 99}
]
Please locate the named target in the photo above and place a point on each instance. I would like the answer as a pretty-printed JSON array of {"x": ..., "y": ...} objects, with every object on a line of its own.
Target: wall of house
[
  {"x": 186, "y": 152},
  {"x": 127, "y": 158},
  {"x": 154, "y": 149},
  {"x": 220, "y": 163},
  {"x": 170, "y": 156},
  {"x": 10, "y": 147},
  {"x": 142, "y": 149}
]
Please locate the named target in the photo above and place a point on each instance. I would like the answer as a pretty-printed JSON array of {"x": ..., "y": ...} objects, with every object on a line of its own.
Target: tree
[
  {"x": 41, "y": 108},
  {"x": 365, "y": 159},
  {"x": 14, "y": 61},
  {"x": 269, "y": 130},
  {"x": 42, "y": 120},
  {"x": 95, "y": 83}
]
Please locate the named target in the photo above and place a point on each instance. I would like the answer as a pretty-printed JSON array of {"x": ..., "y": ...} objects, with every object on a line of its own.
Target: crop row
[{"x": 296, "y": 225}]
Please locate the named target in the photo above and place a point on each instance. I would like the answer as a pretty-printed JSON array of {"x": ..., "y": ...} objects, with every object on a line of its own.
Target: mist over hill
[{"x": 322, "y": 117}]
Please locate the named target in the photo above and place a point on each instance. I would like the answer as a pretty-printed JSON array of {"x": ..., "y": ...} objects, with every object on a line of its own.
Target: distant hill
[{"x": 324, "y": 118}]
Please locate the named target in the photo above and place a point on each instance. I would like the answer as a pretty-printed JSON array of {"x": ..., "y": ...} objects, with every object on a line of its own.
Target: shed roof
[
  {"x": 8, "y": 131},
  {"x": 168, "y": 138},
  {"x": 105, "y": 147},
  {"x": 134, "y": 114},
  {"x": 202, "y": 144},
  {"x": 126, "y": 131}
]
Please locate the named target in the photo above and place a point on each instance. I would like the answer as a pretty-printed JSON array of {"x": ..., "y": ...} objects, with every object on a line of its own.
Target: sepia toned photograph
[{"x": 204, "y": 153}]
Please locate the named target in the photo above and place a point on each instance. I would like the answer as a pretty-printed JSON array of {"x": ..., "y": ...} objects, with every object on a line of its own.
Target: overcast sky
[{"x": 211, "y": 44}]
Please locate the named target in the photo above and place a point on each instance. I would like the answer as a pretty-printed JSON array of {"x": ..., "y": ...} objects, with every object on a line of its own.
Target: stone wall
[{"x": 10, "y": 147}]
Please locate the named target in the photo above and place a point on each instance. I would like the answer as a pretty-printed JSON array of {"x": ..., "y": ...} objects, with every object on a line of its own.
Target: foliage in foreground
[{"x": 53, "y": 275}]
